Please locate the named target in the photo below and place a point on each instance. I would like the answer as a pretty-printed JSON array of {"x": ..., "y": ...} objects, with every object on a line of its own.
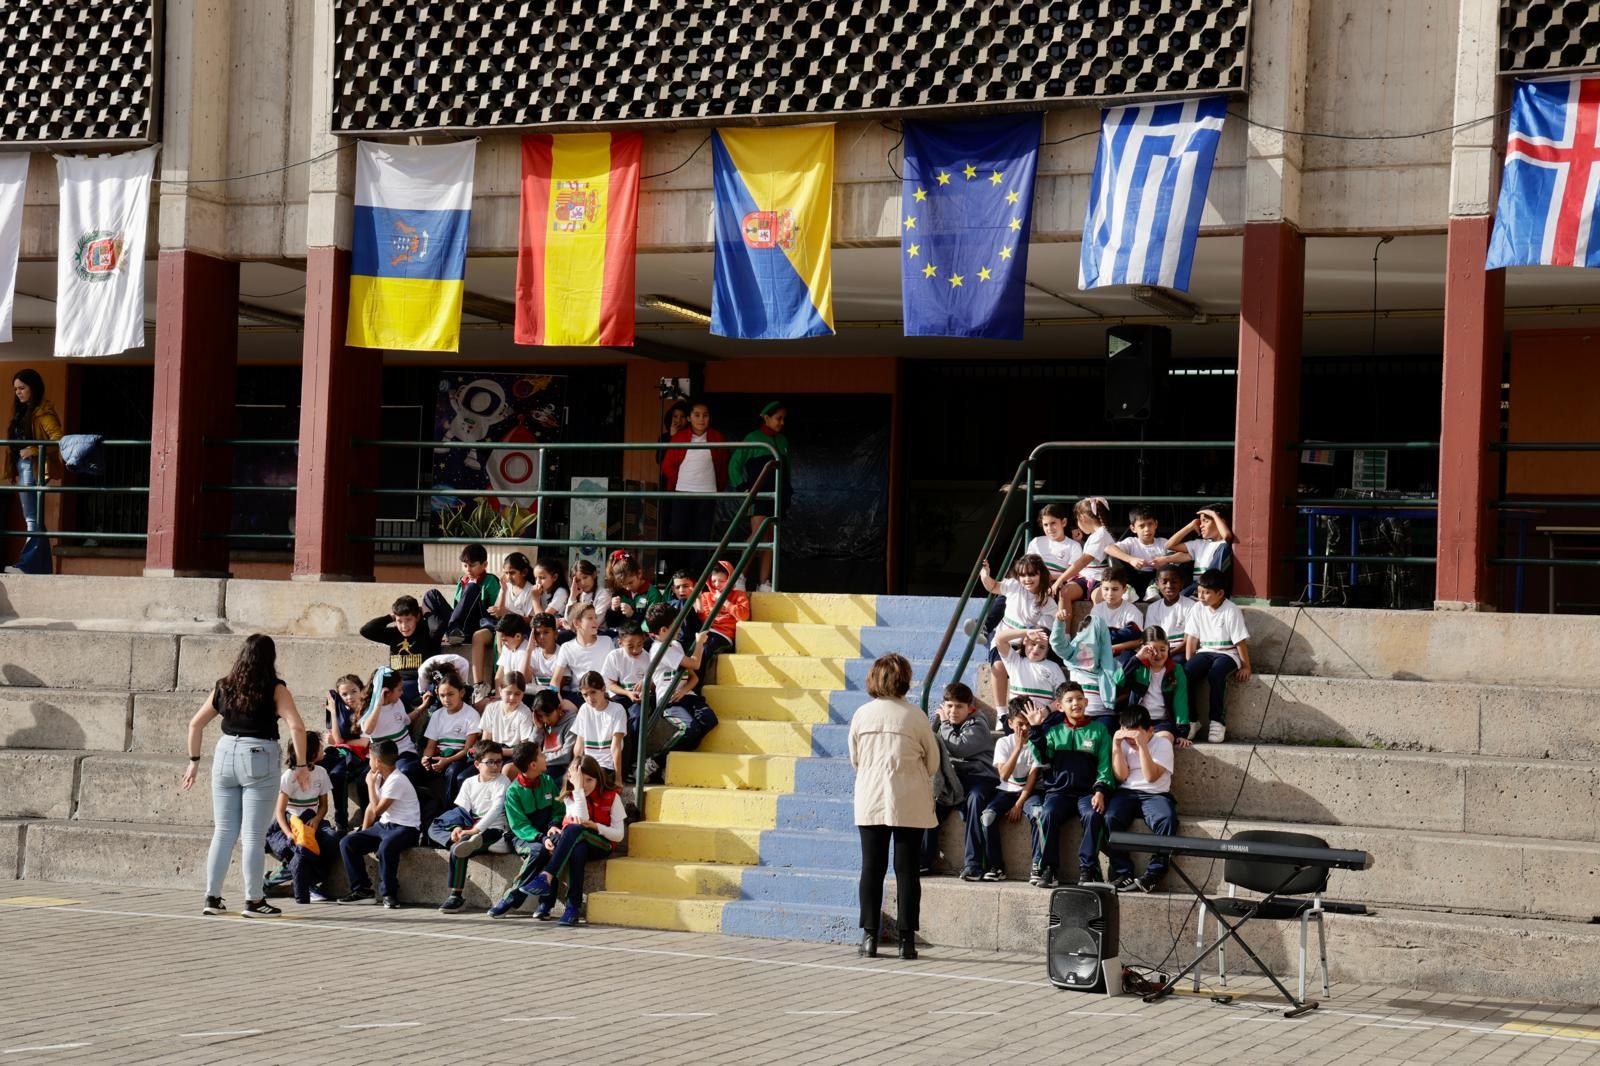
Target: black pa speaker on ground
[
  {"x": 1081, "y": 943},
  {"x": 1136, "y": 360}
]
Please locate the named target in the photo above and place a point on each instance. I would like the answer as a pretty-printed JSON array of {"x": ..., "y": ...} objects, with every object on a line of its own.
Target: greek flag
[{"x": 1148, "y": 191}]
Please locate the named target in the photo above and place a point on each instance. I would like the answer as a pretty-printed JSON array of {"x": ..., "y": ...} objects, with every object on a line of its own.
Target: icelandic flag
[
  {"x": 408, "y": 260},
  {"x": 1148, "y": 191},
  {"x": 967, "y": 204},
  {"x": 1546, "y": 213},
  {"x": 773, "y": 193}
]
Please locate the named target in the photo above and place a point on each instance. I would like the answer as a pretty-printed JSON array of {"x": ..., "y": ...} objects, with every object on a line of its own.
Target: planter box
[{"x": 443, "y": 561}]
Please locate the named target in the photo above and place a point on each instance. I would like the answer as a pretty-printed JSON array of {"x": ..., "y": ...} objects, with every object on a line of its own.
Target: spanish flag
[
  {"x": 408, "y": 258},
  {"x": 773, "y": 191},
  {"x": 580, "y": 227}
]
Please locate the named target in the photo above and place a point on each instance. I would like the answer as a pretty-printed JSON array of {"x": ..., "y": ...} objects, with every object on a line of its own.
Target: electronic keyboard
[{"x": 1249, "y": 850}]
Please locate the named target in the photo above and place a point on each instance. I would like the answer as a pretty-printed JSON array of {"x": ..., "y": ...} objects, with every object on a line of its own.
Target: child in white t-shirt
[
  {"x": 627, "y": 665},
  {"x": 1171, "y": 609},
  {"x": 519, "y": 595},
  {"x": 1142, "y": 760},
  {"x": 507, "y": 721},
  {"x": 1217, "y": 645},
  {"x": 675, "y": 696},
  {"x": 584, "y": 653},
  {"x": 550, "y": 586},
  {"x": 390, "y": 825},
  {"x": 293, "y": 845},
  {"x": 513, "y": 631},
  {"x": 1124, "y": 622},
  {"x": 1019, "y": 775},
  {"x": 1058, "y": 551},
  {"x": 1028, "y": 606},
  {"x": 1144, "y": 552},
  {"x": 1092, "y": 515},
  {"x": 1032, "y": 674},
  {"x": 388, "y": 719},
  {"x": 476, "y": 823},
  {"x": 602, "y": 725},
  {"x": 1205, "y": 540},
  {"x": 452, "y": 731}
]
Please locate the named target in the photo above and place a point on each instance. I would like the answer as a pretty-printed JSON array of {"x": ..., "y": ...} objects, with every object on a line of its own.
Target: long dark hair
[
  {"x": 22, "y": 413},
  {"x": 253, "y": 681}
]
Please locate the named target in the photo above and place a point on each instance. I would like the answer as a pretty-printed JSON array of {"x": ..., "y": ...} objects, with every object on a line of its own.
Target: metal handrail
[
  {"x": 1583, "y": 504},
  {"x": 648, "y": 711},
  {"x": 57, "y": 443},
  {"x": 1354, "y": 446},
  {"x": 1033, "y": 498}
]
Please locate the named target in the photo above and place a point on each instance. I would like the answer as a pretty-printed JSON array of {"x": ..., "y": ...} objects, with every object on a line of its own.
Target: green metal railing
[
  {"x": 649, "y": 712},
  {"x": 1590, "y": 503},
  {"x": 1031, "y": 500},
  {"x": 232, "y": 537},
  {"x": 1310, "y": 559},
  {"x": 75, "y": 491}
]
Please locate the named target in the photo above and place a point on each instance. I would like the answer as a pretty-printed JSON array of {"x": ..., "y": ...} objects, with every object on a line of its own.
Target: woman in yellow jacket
[
  {"x": 895, "y": 756},
  {"x": 32, "y": 418}
]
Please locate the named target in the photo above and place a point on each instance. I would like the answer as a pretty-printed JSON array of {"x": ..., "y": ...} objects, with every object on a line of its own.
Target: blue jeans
[
  {"x": 979, "y": 790},
  {"x": 35, "y": 557},
  {"x": 1053, "y": 813},
  {"x": 993, "y": 816},
  {"x": 1127, "y": 806},
  {"x": 438, "y": 834},
  {"x": 388, "y": 839},
  {"x": 244, "y": 795}
]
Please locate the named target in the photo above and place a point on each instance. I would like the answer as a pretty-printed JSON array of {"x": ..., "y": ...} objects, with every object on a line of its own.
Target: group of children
[
  {"x": 523, "y": 756},
  {"x": 1092, "y": 717}
]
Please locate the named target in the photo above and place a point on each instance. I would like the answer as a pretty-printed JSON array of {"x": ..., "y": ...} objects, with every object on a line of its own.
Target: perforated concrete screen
[
  {"x": 78, "y": 72},
  {"x": 473, "y": 64},
  {"x": 1541, "y": 36}
]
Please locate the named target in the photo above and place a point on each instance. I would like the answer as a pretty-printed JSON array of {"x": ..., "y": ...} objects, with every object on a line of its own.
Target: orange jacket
[{"x": 735, "y": 609}]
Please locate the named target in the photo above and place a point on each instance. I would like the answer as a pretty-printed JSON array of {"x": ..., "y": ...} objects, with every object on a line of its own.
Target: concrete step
[
  {"x": 817, "y": 672},
  {"x": 307, "y": 665},
  {"x": 682, "y": 842},
  {"x": 160, "y": 855},
  {"x": 829, "y": 814},
  {"x": 712, "y": 807},
  {"x": 161, "y": 723},
  {"x": 64, "y": 719},
  {"x": 38, "y": 784},
  {"x": 813, "y": 849},
  {"x": 830, "y": 741},
  {"x": 780, "y": 920},
  {"x": 687, "y": 914},
  {"x": 12, "y": 835},
  {"x": 803, "y": 638},
  {"x": 652, "y": 877},
  {"x": 1393, "y": 790},
  {"x": 705, "y": 769},
  {"x": 51, "y": 658},
  {"x": 93, "y": 600},
  {"x": 140, "y": 787},
  {"x": 760, "y": 738},
  {"x": 822, "y": 887},
  {"x": 806, "y": 706}
]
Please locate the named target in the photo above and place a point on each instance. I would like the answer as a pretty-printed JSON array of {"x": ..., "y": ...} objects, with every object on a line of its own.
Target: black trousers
[
  {"x": 875, "y": 841},
  {"x": 690, "y": 518}
]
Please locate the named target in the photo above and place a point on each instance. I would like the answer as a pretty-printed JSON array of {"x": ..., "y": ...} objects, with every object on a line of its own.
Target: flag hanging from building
[
  {"x": 579, "y": 232},
  {"x": 1148, "y": 192},
  {"x": 773, "y": 191},
  {"x": 105, "y": 208},
  {"x": 408, "y": 257},
  {"x": 966, "y": 204},
  {"x": 13, "y": 183},
  {"x": 1551, "y": 181}
]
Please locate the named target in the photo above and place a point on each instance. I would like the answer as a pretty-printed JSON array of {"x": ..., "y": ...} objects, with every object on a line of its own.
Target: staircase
[{"x": 755, "y": 832}]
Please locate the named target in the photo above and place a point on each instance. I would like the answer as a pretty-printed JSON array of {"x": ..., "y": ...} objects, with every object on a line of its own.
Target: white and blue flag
[
  {"x": 1546, "y": 214},
  {"x": 1148, "y": 192}
]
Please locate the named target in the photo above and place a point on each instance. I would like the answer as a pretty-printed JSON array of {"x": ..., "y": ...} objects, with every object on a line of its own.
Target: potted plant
[{"x": 481, "y": 522}]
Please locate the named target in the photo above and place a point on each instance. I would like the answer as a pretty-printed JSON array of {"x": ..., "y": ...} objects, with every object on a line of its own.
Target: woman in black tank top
[{"x": 252, "y": 702}]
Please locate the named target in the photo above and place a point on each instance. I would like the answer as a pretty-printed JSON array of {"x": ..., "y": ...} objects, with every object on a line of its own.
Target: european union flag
[{"x": 966, "y": 207}]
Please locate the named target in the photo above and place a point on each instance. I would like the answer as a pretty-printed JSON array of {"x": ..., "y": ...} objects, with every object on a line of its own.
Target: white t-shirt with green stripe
[
  {"x": 1025, "y": 764},
  {"x": 450, "y": 729},
  {"x": 594, "y": 730},
  {"x": 1057, "y": 554},
  {"x": 1173, "y": 618},
  {"x": 393, "y": 724},
  {"x": 306, "y": 802},
  {"x": 1219, "y": 629},
  {"x": 1035, "y": 680},
  {"x": 1024, "y": 609}
]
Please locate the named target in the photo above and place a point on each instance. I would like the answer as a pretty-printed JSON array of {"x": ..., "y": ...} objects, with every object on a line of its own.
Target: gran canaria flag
[
  {"x": 409, "y": 252},
  {"x": 966, "y": 205},
  {"x": 580, "y": 227},
  {"x": 774, "y": 229}
]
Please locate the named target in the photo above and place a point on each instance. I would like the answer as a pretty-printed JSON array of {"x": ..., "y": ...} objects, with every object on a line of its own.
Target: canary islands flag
[
  {"x": 966, "y": 204},
  {"x": 409, "y": 250},
  {"x": 580, "y": 225},
  {"x": 774, "y": 232}
]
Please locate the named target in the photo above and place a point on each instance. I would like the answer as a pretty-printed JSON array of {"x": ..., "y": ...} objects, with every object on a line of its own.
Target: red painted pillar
[
  {"x": 340, "y": 398},
  {"x": 1474, "y": 332},
  {"x": 196, "y": 357},
  {"x": 1271, "y": 308}
]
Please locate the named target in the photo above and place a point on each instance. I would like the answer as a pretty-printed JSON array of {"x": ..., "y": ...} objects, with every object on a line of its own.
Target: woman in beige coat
[{"x": 895, "y": 755}]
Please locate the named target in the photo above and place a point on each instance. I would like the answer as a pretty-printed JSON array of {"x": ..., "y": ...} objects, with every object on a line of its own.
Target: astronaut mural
[{"x": 494, "y": 408}]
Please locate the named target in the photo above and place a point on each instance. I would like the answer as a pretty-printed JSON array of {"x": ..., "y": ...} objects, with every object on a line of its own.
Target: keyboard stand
[{"x": 1231, "y": 932}]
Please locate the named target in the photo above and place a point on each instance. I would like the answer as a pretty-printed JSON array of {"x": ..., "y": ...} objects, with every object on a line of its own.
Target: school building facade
[{"x": 1339, "y": 294}]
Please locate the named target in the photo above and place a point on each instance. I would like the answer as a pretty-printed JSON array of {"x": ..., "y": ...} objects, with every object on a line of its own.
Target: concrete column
[
  {"x": 195, "y": 360},
  {"x": 1271, "y": 309},
  {"x": 340, "y": 390},
  {"x": 1271, "y": 304},
  {"x": 1474, "y": 326}
]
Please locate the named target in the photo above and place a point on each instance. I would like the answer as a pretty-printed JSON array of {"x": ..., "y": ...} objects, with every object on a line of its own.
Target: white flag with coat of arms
[
  {"x": 13, "y": 183},
  {"x": 105, "y": 209}
]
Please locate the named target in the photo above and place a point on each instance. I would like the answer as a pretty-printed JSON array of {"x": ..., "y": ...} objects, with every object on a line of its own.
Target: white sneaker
[
  {"x": 1217, "y": 733},
  {"x": 765, "y": 586}
]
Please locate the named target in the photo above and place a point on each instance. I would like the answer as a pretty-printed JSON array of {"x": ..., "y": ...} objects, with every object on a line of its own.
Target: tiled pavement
[{"x": 136, "y": 976}]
